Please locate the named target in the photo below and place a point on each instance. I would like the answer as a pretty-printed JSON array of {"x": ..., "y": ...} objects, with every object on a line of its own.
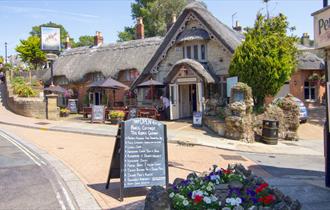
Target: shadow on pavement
[
  {"x": 114, "y": 189},
  {"x": 285, "y": 172}
]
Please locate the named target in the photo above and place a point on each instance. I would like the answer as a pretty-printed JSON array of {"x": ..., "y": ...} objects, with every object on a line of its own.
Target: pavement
[
  {"x": 33, "y": 179},
  {"x": 297, "y": 168},
  {"x": 178, "y": 132}
]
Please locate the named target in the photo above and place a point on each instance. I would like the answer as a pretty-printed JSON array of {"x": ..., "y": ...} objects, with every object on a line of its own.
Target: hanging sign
[
  {"x": 322, "y": 28},
  {"x": 50, "y": 39}
]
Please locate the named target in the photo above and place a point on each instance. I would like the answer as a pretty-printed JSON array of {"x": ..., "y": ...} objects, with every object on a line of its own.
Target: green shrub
[{"x": 23, "y": 90}]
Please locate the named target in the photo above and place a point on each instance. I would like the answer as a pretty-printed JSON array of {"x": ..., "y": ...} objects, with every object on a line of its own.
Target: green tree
[
  {"x": 267, "y": 57},
  {"x": 29, "y": 51},
  {"x": 84, "y": 41},
  {"x": 1, "y": 60},
  {"x": 156, "y": 15},
  {"x": 36, "y": 31}
]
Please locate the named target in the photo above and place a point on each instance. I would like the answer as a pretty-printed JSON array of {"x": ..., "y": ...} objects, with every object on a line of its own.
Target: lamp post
[{"x": 51, "y": 57}]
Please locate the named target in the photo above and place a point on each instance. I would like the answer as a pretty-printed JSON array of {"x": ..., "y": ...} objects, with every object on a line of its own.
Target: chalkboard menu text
[
  {"x": 98, "y": 113},
  {"x": 143, "y": 154}
]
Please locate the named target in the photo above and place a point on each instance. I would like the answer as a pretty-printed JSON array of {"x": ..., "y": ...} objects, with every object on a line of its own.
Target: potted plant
[
  {"x": 116, "y": 116},
  {"x": 64, "y": 112}
]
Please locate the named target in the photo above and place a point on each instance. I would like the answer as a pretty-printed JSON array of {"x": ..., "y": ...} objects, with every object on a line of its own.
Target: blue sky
[{"x": 110, "y": 16}]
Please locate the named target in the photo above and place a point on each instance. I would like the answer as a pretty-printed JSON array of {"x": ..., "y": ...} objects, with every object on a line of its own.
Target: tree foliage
[
  {"x": 36, "y": 31},
  {"x": 267, "y": 57},
  {"x": 85, "y": 40},
  {"x": 156, "y": 15},
  {"x": 29, "y": 51}
]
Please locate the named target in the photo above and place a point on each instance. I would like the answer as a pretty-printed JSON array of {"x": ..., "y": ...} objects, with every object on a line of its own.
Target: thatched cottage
[
  {"x": 191, "y": 61},
  {"x": 76, "y": 68}
]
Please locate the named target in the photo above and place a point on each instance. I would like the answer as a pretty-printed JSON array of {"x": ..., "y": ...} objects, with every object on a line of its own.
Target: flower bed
[{"x": 234, "y": 188}]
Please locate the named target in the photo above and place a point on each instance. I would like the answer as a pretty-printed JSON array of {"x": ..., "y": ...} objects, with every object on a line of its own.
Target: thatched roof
[
  {"x": 310, "y": 61},
  {"x": 196, "y": 66},
  {"x": 227, "y": 36},
  {"x": 193, "y": 34},
  {"x": 75, "y": 63}
]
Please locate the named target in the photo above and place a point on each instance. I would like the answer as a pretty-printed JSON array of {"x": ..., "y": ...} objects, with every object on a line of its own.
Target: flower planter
[{"x": 64, "y": 114}]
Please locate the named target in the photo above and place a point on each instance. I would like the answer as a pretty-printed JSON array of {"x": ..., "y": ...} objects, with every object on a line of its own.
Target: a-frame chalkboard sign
[{"x": 139, "y": 158}]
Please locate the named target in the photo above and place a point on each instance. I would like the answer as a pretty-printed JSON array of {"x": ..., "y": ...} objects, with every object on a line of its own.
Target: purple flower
[
  {"x": 250, "y": 192},
  {"x": 189, "y": 194}
]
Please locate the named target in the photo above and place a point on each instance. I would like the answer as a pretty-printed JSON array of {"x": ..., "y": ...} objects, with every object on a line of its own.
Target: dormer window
[{"x": 196, "y": 52}]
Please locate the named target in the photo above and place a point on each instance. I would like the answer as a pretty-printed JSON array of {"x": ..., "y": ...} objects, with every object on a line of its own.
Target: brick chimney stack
[
  {"x": 139, "y": 28},
  {"x": 67, "y": 43},
  {"x": 238, "y": 27},
  {"x": 305, "y": 40},
  {"x": 98, "y": 39}
]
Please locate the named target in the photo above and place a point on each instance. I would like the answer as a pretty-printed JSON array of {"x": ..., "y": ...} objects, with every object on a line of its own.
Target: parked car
[{"x": 303, "y": 110}]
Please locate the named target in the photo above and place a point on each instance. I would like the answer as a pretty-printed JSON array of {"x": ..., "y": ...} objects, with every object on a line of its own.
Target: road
[
  {"x": 27, "y": 181},
  {"x": 300, "y": 176}
]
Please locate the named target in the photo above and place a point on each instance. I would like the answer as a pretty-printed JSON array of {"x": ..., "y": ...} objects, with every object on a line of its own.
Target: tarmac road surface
[{"x": 27, "y": 181}]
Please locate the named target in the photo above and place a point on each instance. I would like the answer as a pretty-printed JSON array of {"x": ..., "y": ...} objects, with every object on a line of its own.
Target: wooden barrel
[{"x": 270, "y": 131}]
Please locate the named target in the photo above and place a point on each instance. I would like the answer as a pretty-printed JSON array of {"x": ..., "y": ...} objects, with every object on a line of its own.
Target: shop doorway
[{"x": 187, "y": 100}]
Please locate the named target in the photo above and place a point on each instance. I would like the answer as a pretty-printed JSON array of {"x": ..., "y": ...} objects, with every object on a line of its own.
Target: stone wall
[{"x": 29, "y": 107}]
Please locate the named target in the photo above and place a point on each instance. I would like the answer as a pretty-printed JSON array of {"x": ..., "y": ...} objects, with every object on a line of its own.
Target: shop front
[{"x": 186, "y": 81}]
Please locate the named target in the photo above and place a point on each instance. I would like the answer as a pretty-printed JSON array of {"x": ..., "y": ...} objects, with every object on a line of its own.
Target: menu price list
[{"x": 144, "y": 156}]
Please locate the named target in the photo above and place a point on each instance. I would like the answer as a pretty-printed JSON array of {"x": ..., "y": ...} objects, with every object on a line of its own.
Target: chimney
[
  {"x": 139, "y": 28},
  {"x": 98, "y": 39},
  {"x": 169, "y": 25},
  {"x": 67, "y": 43},
  {"x": 305, "y": 40},
  {"x": 238, "y": 27}
]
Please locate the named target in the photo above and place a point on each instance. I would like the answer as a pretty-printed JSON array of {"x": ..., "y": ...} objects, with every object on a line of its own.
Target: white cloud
[{"x": 31, "y": 10}]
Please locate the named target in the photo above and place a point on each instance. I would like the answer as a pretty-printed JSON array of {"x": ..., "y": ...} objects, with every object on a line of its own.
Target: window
[
  {"x": 309, "y": 90},
  {"x": 196, "y": 52},
  {"x": 188, "y": 51},
  {"x": 183, "y": 51},
  {"x": 129, "y": 75},
  {"x": 202, "y": 52}
]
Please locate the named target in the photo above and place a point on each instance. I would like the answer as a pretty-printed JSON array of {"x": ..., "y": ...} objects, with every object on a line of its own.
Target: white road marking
[
  {"x": 23, "y": 150},
  {"x": 22, "y": 147},
  {"x": 58, "y": 196},
  {"x": 66, "y": 194}
]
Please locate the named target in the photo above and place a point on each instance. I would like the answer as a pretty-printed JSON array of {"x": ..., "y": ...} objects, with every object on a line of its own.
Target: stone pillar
[{"x": 52, "y": 111}]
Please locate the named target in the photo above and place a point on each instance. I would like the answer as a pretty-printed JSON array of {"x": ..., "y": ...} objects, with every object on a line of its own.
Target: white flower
[
  {"x": 207, "y": 200},
  {"x": 185, "y": 203},
  {"x": 172, "y": 194},
  {"x": 228, "y": 200},
  {"x": 238, "y": 201},
  {"x": 209, "y": 188},
  {"x": 213, "y": 198},
  {"x": 226, "y": 208},
  {"x": 219, "y": 203},
  {"x": 214, "y": 177}
]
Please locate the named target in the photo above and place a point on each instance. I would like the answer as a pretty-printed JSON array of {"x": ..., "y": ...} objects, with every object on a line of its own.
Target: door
[
  {"x": 174, "y": 106},
  {"x": 184, "y": 100},
  {"x": 200, "y": 97}
]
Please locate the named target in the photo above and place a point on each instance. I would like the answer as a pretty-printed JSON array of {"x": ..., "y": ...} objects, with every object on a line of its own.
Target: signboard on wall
[
  {"x": 50, "y": 39},
  {"x": 231, "y": 82},
  {"x": 322, "y": 28}
]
